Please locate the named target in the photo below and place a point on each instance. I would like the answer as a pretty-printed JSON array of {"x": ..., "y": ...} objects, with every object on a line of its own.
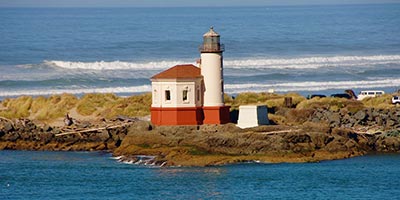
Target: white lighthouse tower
[{"x": 215, "y": 111}]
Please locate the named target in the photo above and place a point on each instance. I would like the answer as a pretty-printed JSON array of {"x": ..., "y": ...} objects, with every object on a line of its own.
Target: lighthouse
[
  {"x": 211, "y": 65},
  {"x": 190, "y": 95}
]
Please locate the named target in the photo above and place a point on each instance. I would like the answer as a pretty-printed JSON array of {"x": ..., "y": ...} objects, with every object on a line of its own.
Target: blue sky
[{"x": 176, "y": 3}]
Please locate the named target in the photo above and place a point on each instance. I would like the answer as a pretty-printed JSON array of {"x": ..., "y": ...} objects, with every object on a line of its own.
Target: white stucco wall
[
  {"x": 211, "y": 69},
  {"x": 176, "y": 88}
]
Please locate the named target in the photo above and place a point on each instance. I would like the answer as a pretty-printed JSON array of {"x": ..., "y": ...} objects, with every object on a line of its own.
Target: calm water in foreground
[{"x": 94, "y": 175}]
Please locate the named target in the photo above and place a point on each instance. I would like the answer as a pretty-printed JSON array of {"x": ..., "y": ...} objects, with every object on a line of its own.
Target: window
[
  {"x": 185, "y": 95},
  {"x": 167, "y": 95}
]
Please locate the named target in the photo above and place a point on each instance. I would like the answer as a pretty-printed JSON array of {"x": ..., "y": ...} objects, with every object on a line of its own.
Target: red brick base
[
  {"x": 216, "y": 115},
  {"x": 177, "y": 116}
]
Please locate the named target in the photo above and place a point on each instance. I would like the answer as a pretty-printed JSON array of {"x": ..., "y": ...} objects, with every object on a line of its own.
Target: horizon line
[{"x": 217, "y": 6}]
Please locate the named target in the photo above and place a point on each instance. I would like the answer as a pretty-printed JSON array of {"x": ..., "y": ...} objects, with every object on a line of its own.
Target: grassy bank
[
  {"x": 56, "y": 106},
  {"x": 109, "y": 105}
]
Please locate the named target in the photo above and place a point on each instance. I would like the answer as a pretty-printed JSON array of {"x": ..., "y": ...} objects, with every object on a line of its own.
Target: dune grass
[
  {"x": 110, "y": 105},
  {"x": 92, "y": 104},
  {"x": 16, "y": 108},
  {"x": 40, "y": 108},
  {"x": 138, "y": 105},
  {"x": 272, "y": 100},
  {"x": 52, "y": 107},
  {"x": 332, "y": 104},
  {"x": 384, "y": 101},
  {"x": 97, "y": 105}
]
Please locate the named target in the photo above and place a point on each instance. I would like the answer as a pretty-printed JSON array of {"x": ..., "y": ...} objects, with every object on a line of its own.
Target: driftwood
[
  {"x": 283, "y": 131},
  {"x": 91, "y": 130}
]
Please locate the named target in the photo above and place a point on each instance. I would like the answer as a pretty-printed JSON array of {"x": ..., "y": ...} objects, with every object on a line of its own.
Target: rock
[
  {"x": 47, "y": 128},
  {"x": 318, "y": 116},
  {"x": 375, "y": 113},
  {"x": 315, "y": 120},
  {"x": 25, "y": 135},
  {"x": 12, "y": 137},
  {"x": 390, "y": 123},
  {"x": 103, "y": 135},
  {"x": 101, "y": 147},
  {"x": 379, "y": 120},
  {"x": 56, "y": 131},
  {"x": 334, "y": 119},
  {"x": 142, "y": 126},
  {"x": 336, "y": 145},
  {"x": 302, "y": 148},
  {"x": 369, "y": 112},
  {"x": 30, "y": 126},
  {"x": 388, "y": 144},
  {"x": 221, "y": 142},
  {"x": 328, "y": 139},
  {"x": 360, "y": 115},
  {"x": 8, "y": 127},
  {"x": 352, "y": 121},
  {"x": 298, "y": 138},
  {"x": 392, "y": 115},
  {"x": 45, "y": 137},
  {"x": 318, "y": 139},
  {"x": 72, "y": 138},
  {"x": 351, "y": 144}
]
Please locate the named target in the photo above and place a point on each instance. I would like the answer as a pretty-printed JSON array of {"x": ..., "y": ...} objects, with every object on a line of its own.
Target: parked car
[
  {"x": 370, "y": 93},
  {"x": 395, "y": 100},
  {"x": 315, "y": 95},
  {"x": 341, "y": 95}
]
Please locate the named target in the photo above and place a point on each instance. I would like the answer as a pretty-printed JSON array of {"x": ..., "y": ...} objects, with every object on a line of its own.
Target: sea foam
[
  {"x": 229, "y": 88},
  {"x": 313, "y": 62},
  {"x": 311, "y": 85},
  {"x": 114, "y": 65},
  {"x": 245, "y": 63},
  {"x": 38, "y": 92}
]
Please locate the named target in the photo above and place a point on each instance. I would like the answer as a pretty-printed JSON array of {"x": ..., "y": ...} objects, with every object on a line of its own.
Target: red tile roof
[{"x": 179, "y": 71}]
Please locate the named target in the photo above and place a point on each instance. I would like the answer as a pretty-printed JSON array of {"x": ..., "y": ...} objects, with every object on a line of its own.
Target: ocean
[
  {"x": 303, "y": 49},
  {"x": 95, "y": 175}
]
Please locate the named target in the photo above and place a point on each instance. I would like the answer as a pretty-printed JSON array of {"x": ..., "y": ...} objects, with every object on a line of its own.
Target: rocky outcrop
[
  {"x": 203, "y": 145},
  {"x": 387, "y": 119},
  {"x": 206, "y": 144},
  {"x": 26, "y": 135}
]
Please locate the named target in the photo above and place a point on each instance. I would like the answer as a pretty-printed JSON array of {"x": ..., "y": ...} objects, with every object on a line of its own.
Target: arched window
[
  {"x": 167, "y": 95},
  {"x": 185, "y": 95}
]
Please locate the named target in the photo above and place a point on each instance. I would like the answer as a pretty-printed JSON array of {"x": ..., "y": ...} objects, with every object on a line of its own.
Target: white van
[{"x": 370, "y": 93}]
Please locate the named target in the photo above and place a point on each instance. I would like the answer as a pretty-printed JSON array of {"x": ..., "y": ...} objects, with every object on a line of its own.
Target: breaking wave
[
  {"x": 250, "y": 63},
  {"x": 314, "y": 62},
  {"x": 114, "y": 65}
]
